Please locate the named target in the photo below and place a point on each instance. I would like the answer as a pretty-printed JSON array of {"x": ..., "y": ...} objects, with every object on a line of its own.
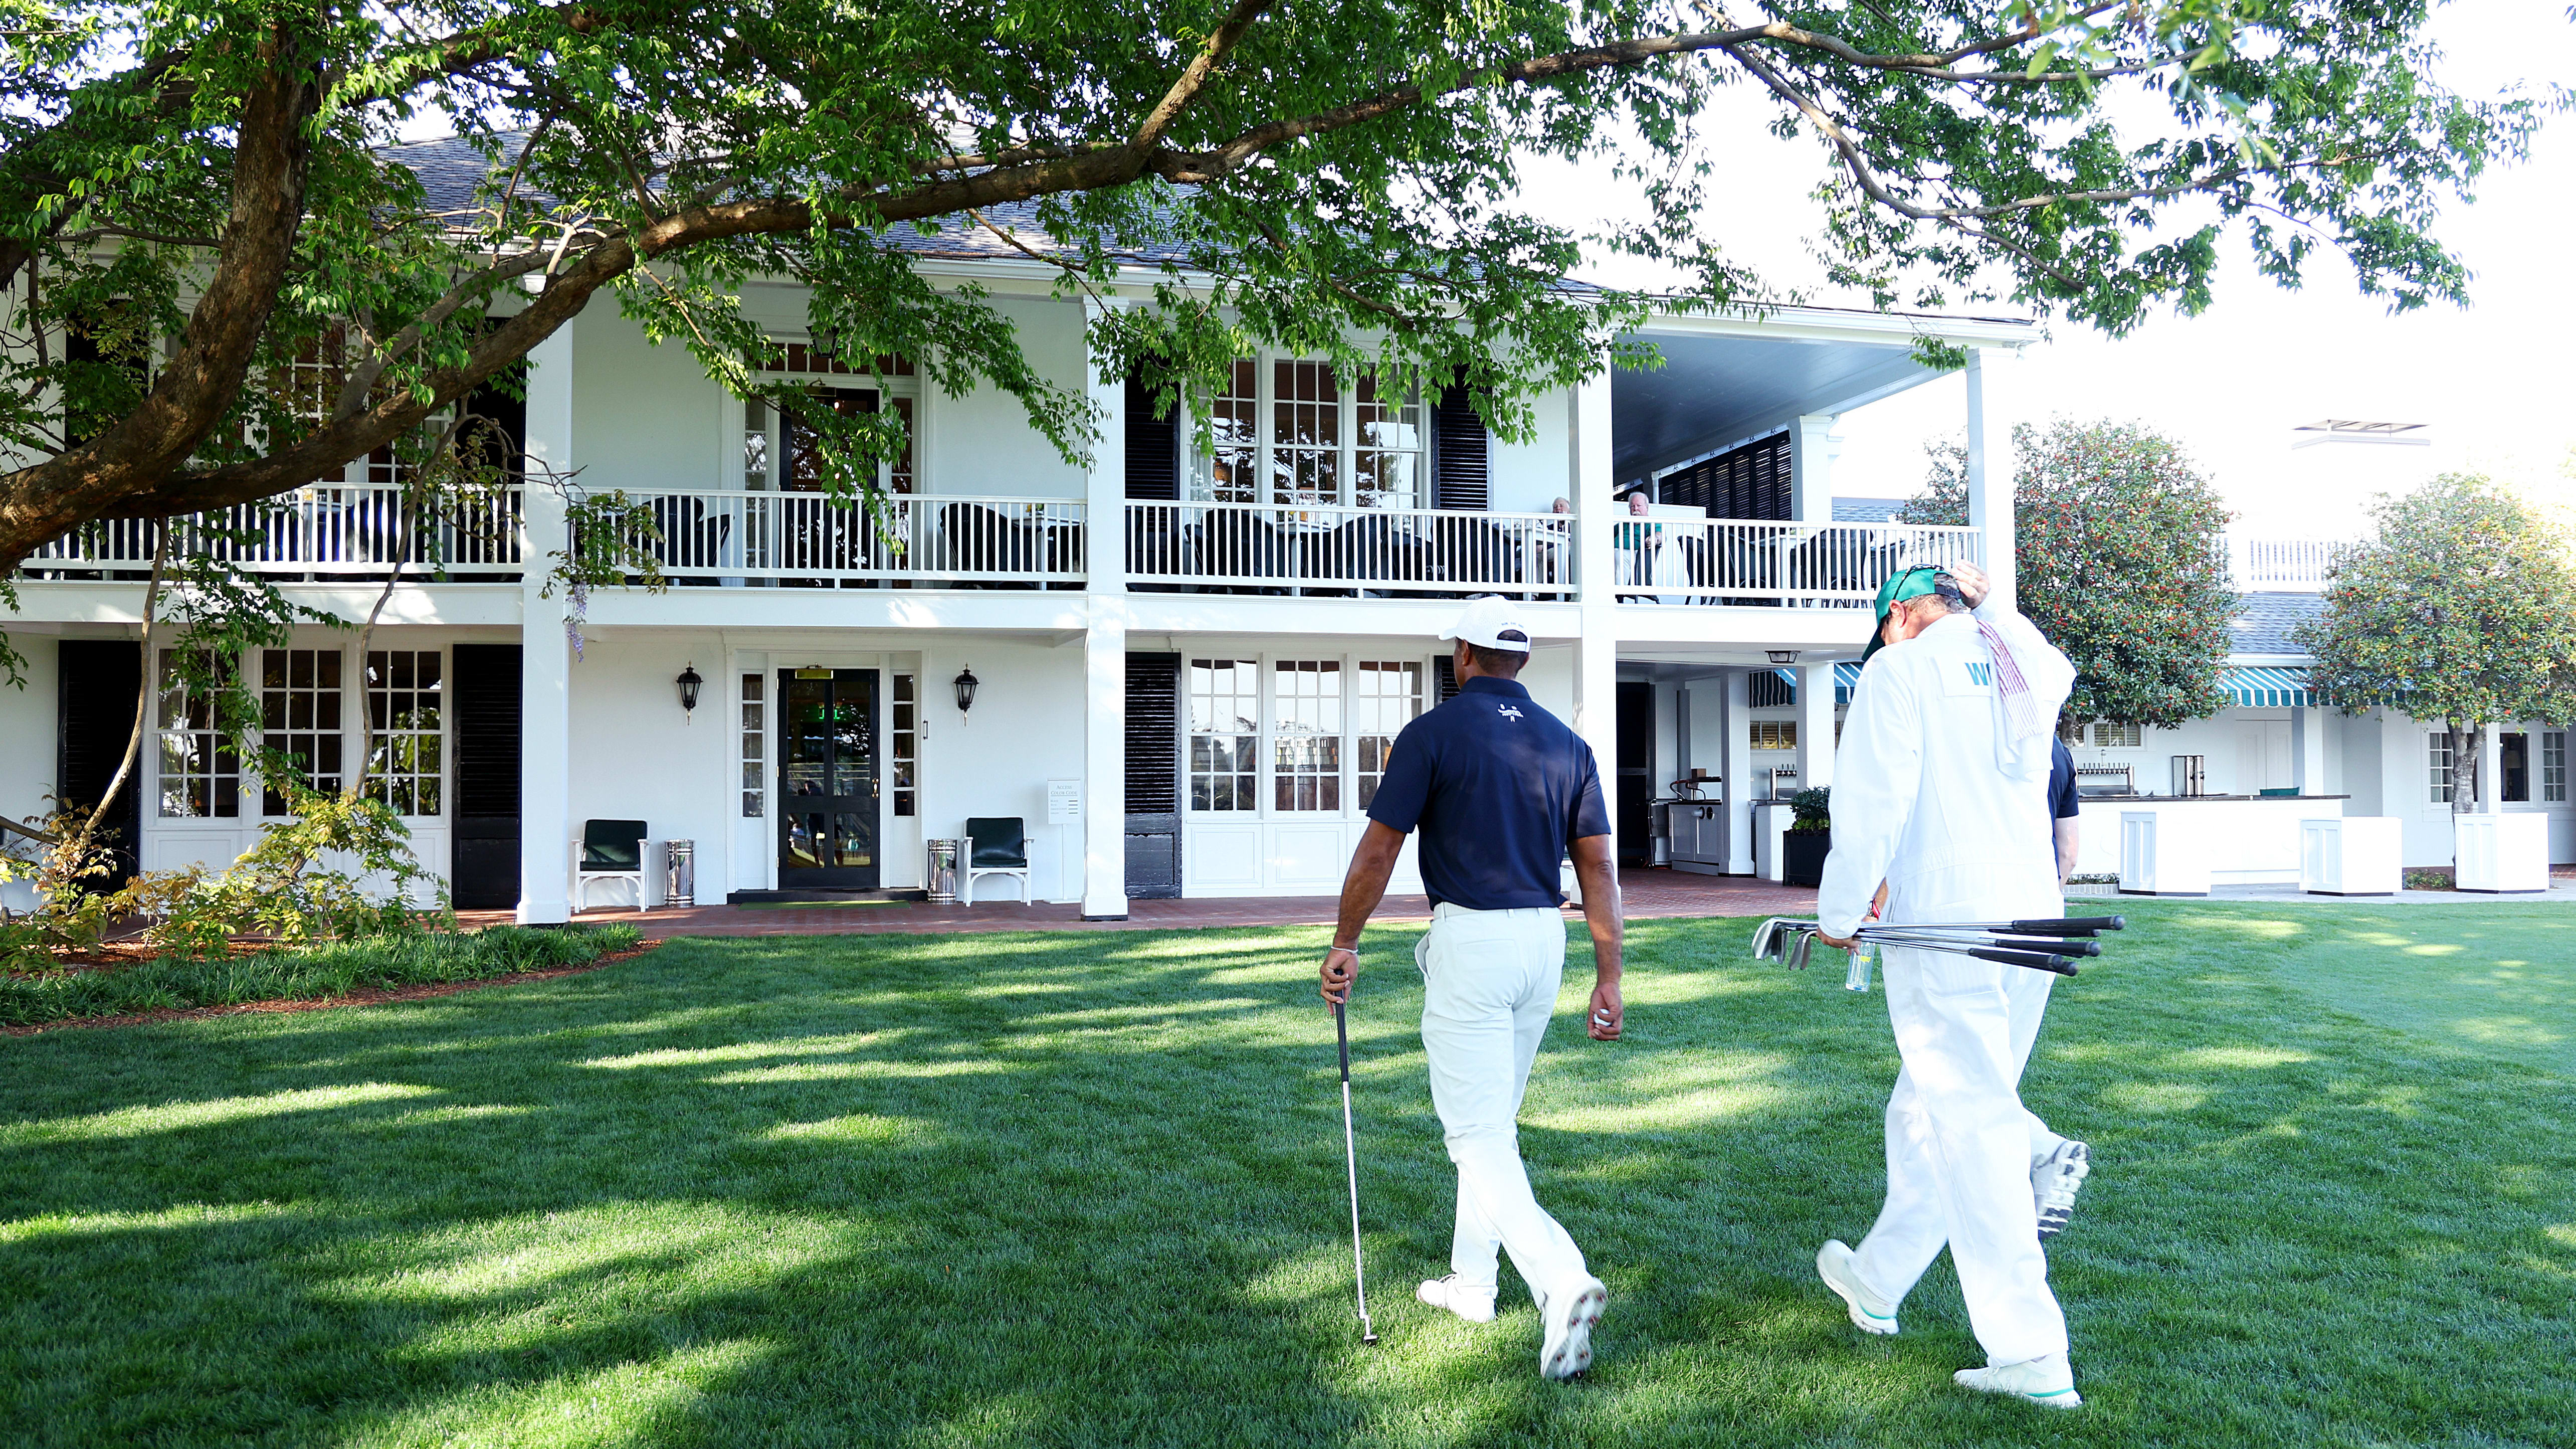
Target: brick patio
[{"x": 1648, "y": 894}]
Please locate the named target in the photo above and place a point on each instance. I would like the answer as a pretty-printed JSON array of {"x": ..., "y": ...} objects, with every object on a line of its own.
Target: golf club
[
  {"x": 1781, "y": 938},
  {"x": 1351, "y": 1162}
]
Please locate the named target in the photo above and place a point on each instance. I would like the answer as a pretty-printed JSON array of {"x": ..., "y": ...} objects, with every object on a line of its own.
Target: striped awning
[
  {"x": 1846, "y": 674},
  {"x": 2266, "y": 686}
]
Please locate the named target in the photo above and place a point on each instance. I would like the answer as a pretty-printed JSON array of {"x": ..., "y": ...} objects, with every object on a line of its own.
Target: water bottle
[{"x": 1862, "y": 955}]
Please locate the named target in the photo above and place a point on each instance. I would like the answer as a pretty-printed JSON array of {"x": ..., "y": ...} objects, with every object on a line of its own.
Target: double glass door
[{"x": 828, "y": 778}]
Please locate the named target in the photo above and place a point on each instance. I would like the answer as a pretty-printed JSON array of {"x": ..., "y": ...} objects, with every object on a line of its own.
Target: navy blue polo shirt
[
  {"x": 2063, "y": 802},
  {"x": 1500, "y": 789}
]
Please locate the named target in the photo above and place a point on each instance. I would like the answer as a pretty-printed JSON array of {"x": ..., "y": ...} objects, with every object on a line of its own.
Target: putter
[{"x": 1351, "y": 1162}]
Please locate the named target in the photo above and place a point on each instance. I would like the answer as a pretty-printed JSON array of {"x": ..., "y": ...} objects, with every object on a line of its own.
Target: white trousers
[
  {"x": 1960, "y": 1147},
  {"x": 1489, "y": 987}
]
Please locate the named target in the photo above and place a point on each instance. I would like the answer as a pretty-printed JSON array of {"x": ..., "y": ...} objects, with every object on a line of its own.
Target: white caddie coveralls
[{"x": 1932, "y": 795}]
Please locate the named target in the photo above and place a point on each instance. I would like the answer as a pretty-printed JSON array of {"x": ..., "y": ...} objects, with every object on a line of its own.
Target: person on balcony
[
  {"x": 1940, "y": 792},
  {"x": 1502, "y": 792}
]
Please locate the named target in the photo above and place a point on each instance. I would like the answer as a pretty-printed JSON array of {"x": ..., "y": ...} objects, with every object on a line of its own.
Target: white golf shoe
[
  {"x": 1569, "y": 1316},
  {"x": 2049, "y": 1381},
  {"x": 1869, "y": 1312},
  {"x": 2053, "y": 1185},
  {"x": 1476, "y": 1305}
]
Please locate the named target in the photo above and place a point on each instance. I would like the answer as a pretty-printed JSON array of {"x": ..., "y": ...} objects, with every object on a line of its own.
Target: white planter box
[
  {"x": 2162, "y": 852},
  {"x": 2358, "y": 855},
  {"x": 2502, "y": 854}
]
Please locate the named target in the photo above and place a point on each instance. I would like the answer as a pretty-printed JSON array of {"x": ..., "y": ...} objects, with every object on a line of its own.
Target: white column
[
  {"x": 2308, "y": 750},
  {"x": 545, "y": 652},
  {"x": 1812, "y": 446},
  {"x": 1596, "y": 649},
  {"x": 1815, "y": 725},
  {"x": 2491, "y": 771},
  {"x": 1105, "y": 485},
  {"x": 1737, "y": 719},
  {"x": 1990, "y": 488},
  {"x": 1104, "y": 763}
]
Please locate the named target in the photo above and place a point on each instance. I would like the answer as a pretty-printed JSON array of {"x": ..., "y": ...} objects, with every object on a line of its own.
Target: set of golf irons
[{"x": 2041, "y": 945}]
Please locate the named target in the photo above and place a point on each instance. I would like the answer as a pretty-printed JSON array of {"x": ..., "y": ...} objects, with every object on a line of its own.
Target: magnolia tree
[
  {"x": 2458, "y": 612},
  {"x": 2120, "y": 557}
]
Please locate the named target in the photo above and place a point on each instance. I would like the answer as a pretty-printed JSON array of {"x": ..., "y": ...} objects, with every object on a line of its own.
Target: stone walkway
[{"x": 1648, "y": 895}]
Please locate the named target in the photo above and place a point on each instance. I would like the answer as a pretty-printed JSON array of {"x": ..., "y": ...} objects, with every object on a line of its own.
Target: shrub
[{"x": 1811, "y": 810}]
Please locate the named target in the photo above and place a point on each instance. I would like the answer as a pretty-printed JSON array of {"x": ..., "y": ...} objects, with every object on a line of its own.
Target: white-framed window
[
  {"x": 2437, "y": 759},
  {"x": 407, "y": 768},
  {"x": 1775, "y": 734},
  {"x": 299, "y": 716},
  {"x": 776, "y": 451},
  {"x": 1225, "y": 735},
  {"x": 903, "y": 739},
  {"x": 2110, "y": 736},
  {"x": 755, "y": 745},
  {"x": 1291, "y": 431},
  {"x": 1306, "y": 734},
  {"x": 1296, "y": 736},
  {"x": 1386, "y": 696},
  {"x": 200, "y": 770},
  {"x": 2553, "y": 766}
]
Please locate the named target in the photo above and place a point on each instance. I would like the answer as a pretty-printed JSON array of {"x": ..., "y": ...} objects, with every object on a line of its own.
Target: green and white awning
[
  {"x": 1846, "y": 675},
  {"x": 2266, "y": 686}
]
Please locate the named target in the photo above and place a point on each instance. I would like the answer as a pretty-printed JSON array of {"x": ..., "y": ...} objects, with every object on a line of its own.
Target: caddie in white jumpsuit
[
  {"x": 1940, "y": 791},
  {"x": 1500, "y": 792}
]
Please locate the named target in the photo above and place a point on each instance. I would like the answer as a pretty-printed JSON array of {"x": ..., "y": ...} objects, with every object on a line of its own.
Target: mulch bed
[{"x": 371, "y": 997}]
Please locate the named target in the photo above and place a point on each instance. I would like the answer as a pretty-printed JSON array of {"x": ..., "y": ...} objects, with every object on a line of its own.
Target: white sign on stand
[{"x": 1064, "y": 807}]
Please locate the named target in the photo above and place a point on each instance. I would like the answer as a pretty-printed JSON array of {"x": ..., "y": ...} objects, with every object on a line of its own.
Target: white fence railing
[
  {"x": 322, "y": 532},
  {"x": 806, "y": 536},
  {"x": 2285, "y": 565},
  {"x": 1731, "y": 561},
  {"x": 1336, "y": 549}
]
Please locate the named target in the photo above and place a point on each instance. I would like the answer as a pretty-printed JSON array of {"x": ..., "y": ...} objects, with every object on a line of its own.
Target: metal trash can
[
  {"x": 942, "y": 873},
  {"x": 680, "y": 873}
]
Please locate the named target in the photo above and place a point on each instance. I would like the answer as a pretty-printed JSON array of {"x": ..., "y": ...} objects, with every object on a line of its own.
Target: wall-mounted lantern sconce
[
  {"x": 1784, "y": 656},
  {"x": 689, "y": 685},
  {"x": 966, "y": 682}
]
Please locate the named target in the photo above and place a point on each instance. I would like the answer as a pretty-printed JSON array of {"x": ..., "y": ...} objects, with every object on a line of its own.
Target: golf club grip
[
  {"x": 2032, "y": 959},
  {"x": 1342, "y": 1039},
  {"x": 2072, "y": 925}
]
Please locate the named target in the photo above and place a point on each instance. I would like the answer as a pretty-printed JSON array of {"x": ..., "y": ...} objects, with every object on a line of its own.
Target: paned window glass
[
  {"x": 2109, "y": 736},
  {"x": 299, "y": 716},
  {"x": 755, "y": 746},
  {"x": 1306, "y": 734},
  {"x": 1225, "y": 715},
  {"x": 906, "y": 736},
  {"x": 2553, "y": 766},
  {"x": 1306, "y": 433},
  {"x": 200, "y": 769},
  {"x": 409, "y": 761},
  {"x": 1388, "y": 697},
  {"x": 1775, "y": 734},
  {"x": 1386, "y": 447},
  {"x": 2437, "y": 752},
  {"x": 1234, "y": 474}
]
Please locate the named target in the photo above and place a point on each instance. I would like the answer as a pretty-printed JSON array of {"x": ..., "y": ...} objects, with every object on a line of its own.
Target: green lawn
[{"x": 1087, "y": 1189}]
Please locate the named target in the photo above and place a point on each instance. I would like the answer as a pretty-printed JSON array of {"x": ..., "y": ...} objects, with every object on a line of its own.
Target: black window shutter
[
  {"x": 1461, "y": 471},
  {"x": 1445, "y": 671},
  {"x": 1750, "y": 482},
  {"x": 1153, "y": 734},
  {"x": 1153, "y": 446},
  {"x": 97, "y": 682},
  {"x": 484, "y": 858}
]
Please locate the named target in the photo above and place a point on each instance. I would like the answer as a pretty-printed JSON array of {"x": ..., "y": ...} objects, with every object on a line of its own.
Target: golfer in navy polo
[{"x": 1501, "y": 791}]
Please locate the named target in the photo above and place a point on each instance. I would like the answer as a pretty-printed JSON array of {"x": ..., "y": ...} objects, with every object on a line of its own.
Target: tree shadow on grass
[{"x": 1064, "y": 1189}]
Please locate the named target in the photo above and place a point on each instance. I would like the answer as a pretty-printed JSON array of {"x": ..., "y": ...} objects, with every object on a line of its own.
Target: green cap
[{"x": 1904, "y": 584}]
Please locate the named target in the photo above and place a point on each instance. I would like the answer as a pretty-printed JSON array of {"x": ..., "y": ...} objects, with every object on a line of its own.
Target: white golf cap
[{"x": 1484, "y": 621}]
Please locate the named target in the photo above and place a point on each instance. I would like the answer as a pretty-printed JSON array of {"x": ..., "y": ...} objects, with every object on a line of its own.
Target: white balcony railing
[
  {"x": 938, "y": 538},
  {"x": 1731, "y": 561},
  {"x": 2285, "y": 565},
  {"x": 1341, "y": 549},
  {"x": 323, "y": 533}
]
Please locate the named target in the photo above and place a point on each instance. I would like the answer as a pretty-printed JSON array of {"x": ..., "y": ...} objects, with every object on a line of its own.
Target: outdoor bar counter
[{"x": 2246, "y": 839}]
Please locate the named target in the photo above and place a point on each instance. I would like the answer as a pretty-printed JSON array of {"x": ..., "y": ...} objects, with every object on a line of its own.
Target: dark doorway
[
  {"x": 828, "y": 779},
  {"x": 97, "y": 682},
  {"x": 1153, "y": 777},
  {"x": 1636, "y": 786},
  {"x": 483, "y": 870}
]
